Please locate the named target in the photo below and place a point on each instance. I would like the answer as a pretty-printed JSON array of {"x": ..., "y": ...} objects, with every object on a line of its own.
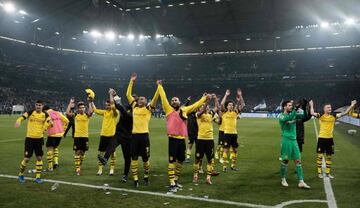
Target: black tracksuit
[
  {"x": 122, "y": 137},
  {"x": 300, "y": 127}
]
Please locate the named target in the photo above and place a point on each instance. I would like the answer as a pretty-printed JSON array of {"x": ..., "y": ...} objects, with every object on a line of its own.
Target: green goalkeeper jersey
[{"x": 288, "y": 125}]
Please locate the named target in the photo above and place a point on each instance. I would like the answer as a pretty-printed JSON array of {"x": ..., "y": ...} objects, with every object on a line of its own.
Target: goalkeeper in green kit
[{"x": 289, "y": 147}]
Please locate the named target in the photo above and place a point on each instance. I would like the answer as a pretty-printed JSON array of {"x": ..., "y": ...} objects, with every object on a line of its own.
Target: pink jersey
[
  {"x": 57, "y": 127},
  {"x": 175, "y": 125}
]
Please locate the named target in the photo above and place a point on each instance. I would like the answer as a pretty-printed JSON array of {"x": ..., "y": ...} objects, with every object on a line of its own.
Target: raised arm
[
  {"x": 164, "y": 101},
  {"x": 154, "y": 99},
  {"x": 71, "y": 105},
  {"x": 227, "y": 93},
  {"x": 90, "y": 110},
  {"x": 129, "y": 96},
  {"x": 93, "y": 108},
  {"x": 288, "y": 117},
  {"x": 240, "y": 100},
  {"x": 312, "y": 111},
  {"x": 347, "y": 111},
  {"x": 112, "y": 93},
  {"x": 193, "y": 107},
  {"x": 216, "y": 102},
  {"x": 202, "y": 109},
  {"x": 187, "y": 101}
]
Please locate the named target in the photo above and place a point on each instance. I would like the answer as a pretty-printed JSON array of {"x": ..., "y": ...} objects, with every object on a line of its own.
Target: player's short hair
[
  {"x": 284, "y": 103},
  {"x": 46, "y": 107},
  {"x": 39, "y": 101},
  {"x": 326, "y": 104},
  {"x": 227, "y": 102},
  {"x": 80, "y": 104}
]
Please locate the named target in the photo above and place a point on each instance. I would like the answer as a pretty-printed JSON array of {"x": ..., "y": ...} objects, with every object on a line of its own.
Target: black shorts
[
  {"x": 53, "y": 141},
  {"x": 177, "y": 149},
  {"x": 33, "y": 145},
  {"x": 192, "y": 139},
  {"x": 81, "y": 143},
  {"x": 230, "y": 140},
  {"x": 204, "y": 147},
  {"x": 325, "y": 146},
  {"x": 221, "y": 138},
  {"x": 104, "y": 143},
  {"x": 140, "y": 146}
]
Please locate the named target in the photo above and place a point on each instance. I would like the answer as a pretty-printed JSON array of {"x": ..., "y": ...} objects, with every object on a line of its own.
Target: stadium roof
[{"x": 187, "y": 20}]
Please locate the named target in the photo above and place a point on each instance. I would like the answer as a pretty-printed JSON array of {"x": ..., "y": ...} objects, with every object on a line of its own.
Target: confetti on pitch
[
  {"x": 54, "y": 187},
  {"x": 108, "y": 192},
  {"x": 190, "y": 189},
  {"x": 166, "y": 203},
  {"x": 206, "y": 197},
  {"x": 124, "y": 194}
]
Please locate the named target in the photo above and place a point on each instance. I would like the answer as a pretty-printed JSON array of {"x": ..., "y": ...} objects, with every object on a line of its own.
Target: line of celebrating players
[{"x": 128, "y": 126}]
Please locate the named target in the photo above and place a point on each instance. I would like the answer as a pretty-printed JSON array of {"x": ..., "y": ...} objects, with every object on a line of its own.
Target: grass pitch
[{"x": 256, "y": 182}]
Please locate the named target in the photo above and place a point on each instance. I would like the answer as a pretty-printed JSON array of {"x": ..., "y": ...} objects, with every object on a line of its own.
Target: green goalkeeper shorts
[{"x": 290, "y": 149}]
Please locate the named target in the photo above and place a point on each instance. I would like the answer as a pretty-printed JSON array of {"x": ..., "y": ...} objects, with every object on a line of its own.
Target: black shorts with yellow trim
[
  {"x": 177, "y": 149},
  {"x": 53, "y": 141},
  {"x": 140, "y": 146},
  {"x": 105, "y": 141},
  {"x": 221, "y": 138},
  {"x": 33, "y": 145},
  {"x": 230, "y": 140},
  {"x": 325, "y": 146},
  {"x": 81, "y": 143},
  {"x": 204, "y": 147}
]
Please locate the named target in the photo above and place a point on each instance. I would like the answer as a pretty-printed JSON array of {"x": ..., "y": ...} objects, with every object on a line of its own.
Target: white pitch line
[
  {"x": 11, "y": 140},
  {"x": 239, "y": 204},
  {"x": 330, "y": 196},
  {"x": 299, "y": 202}
]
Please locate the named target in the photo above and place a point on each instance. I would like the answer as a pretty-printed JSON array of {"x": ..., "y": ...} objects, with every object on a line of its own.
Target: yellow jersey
[
  {"x": 326, "y": 123},
  {"x": 81, "y": 125},
  {"x": 229, "y": 120},
  {"x": 109, "y": 121},
  {"x": 141, "y": 115},
  {"x": 205, "y": 126},
  {"x": 37, "y": 124}
]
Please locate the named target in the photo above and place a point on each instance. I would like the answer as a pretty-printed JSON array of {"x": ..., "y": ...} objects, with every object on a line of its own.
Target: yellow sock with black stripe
[
  {"x": 49, "y": 157},
  {"x": 328, "y": 164},
  {"x": 233, "y": 159},
  {"x": 146, "y": 169},
  {"x": 134, "y": 169},
  {"x": 231, "y": 151},
  {"x": 178, "y": 169},
  {"x": 56, "y": 155},
  {"x": 171, "y": 173},
  {"x": 23, "y": 164},
  {"x": 225, "y": 156},
  {"x": 319, "y": 162},
  {"x": 39, "y": 167},
  {"x": 82, "y": 158},
  {"x": 77, "y": 162},
  {"x": 113, "y": 161},
  {"x": 209, "y": 169}
]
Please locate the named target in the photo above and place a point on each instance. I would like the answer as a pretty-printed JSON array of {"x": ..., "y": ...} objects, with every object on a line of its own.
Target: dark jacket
[{"x": 124, "y": 126}]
